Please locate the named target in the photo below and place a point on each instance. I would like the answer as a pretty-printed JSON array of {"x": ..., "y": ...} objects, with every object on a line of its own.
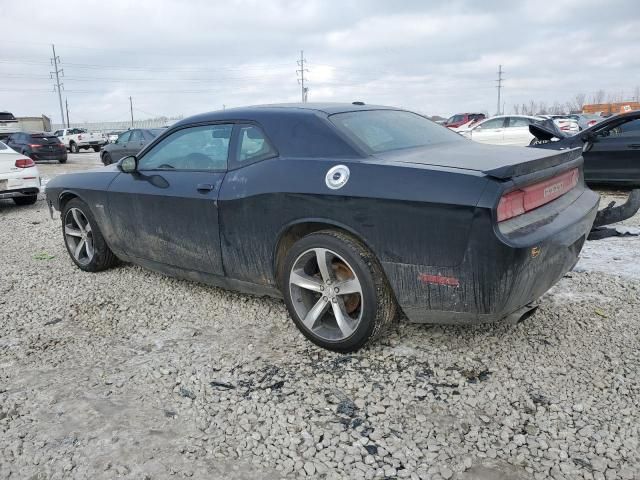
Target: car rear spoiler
[
  {"x": 535, "y": 165},
  {"x": 546, "y": 130}
]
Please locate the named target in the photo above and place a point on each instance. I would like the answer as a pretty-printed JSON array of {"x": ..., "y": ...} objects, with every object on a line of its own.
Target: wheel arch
[
  {"x": 295, "y": 230},
  {"x": 65, "y": 197}
]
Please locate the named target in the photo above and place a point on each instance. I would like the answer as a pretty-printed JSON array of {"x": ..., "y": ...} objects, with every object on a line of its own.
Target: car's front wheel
[
  {"x": 83, "y": 238},
  {"x": 73, "y": 147},
  {"x": 336, "y": 291},
  {"x": 106, "y": 158}
]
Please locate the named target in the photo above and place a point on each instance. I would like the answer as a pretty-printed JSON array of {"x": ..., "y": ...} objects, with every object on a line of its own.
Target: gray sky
[{"x": 434, "y": 57}]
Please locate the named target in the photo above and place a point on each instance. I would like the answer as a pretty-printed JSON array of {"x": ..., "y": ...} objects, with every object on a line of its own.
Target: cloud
[{"x": 181, "y": 58}]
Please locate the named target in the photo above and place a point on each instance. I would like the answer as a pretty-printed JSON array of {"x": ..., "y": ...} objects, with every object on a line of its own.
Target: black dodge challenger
[{"x": 350, "y": 212}]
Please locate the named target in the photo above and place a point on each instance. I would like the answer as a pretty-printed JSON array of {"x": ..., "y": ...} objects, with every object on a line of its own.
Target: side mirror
[{"x": 129, "y": 164}]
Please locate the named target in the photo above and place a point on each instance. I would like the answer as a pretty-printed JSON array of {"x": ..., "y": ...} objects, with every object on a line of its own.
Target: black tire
[
  {"x": 62, "y": 160},
  {"x": 73, "y": 147},
  {"x": 29, "y": 200},
  {"x": 106, "y": 158},
  {"x": 103, "y": 257},
  {"x": 96, "y": 149},
  {"x": 378, "y": 306}
]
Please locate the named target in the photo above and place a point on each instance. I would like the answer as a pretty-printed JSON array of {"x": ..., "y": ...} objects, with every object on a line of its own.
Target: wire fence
[{"x": 120, "y": 126}]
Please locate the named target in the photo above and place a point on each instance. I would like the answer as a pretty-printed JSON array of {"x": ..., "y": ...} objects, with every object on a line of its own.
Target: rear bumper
[
  {"x": 502, "y": 272},
  {"x": 39, "y": 157},
  {"x": 23, "y": 192}
]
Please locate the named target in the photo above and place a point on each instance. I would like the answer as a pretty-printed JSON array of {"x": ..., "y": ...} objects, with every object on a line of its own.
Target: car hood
[{"x": 497, "y": 161}]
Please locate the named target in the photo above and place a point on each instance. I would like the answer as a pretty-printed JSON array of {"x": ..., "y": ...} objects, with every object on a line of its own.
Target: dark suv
[
  {"x": 460, "y": 119},
  {"x": 38, "y": 146}
]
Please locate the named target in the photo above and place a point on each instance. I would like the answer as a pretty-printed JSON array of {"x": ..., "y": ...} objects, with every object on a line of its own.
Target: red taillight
[
  {"x": 592, "y": 123},
  {"x": 79, "y": 137},
  {"x": 34, "y": 145},
  {"x": 511, "y": 205},
  {"x": 25, "y": 163},
  {"x": 531, "y": 197}
]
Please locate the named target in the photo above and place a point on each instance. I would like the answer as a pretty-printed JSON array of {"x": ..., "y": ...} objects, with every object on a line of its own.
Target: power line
[
  {"x": 54, "y": 61},
  {"x": 500, "y": 80},
  {"x": 304, "y": 90}
]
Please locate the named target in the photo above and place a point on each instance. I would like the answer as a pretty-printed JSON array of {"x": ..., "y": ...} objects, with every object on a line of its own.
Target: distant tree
[
  {"x": 542, "y": 109},
  {"x": 533, "y": 107},
  {"x": 516, "y": 109},
  {"x": 599, "y": 96},
  {"x": 636, "y": 93},
  {"x": 578, "y": 102}
]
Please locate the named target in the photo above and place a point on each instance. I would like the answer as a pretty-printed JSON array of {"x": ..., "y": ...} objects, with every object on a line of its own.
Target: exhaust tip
[{"x": 522, "y": 314}]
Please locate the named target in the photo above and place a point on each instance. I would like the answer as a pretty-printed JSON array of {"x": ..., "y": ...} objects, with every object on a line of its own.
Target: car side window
[
  {"x": 518, "y": 122},
  {"x": 58, "y": 133},
  {"x": 124, "y": 137},
  {"x": 630, "y": 128},
  {"x": 493, "y": 123},
  {"x": 253, "y": 145},
  {"x": 195, "y": 148}
]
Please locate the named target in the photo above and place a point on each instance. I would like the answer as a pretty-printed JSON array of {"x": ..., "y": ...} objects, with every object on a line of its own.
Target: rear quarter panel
[{"x": 405, "y": 214}]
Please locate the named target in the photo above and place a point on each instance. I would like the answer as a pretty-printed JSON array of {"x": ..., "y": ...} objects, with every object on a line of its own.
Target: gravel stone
[{"x": 131, "y": 374}]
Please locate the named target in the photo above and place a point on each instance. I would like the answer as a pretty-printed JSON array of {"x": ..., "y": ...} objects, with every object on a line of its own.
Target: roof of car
[{"x": 249, "y": 112}]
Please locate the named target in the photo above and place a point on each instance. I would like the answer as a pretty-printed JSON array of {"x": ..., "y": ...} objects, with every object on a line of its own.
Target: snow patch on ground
[{"x": 614, "y": 256}]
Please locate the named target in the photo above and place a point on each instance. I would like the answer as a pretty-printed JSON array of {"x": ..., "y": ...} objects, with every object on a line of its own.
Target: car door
[
  {"x": 490, "y": 131},
  {"x": 615, "y": 152},
  {"x": 118, "y": 149},
  {"x": 516, "y": 131},
  {"x": 167, "y": 211},
  {"x": 135, "y": 143}
]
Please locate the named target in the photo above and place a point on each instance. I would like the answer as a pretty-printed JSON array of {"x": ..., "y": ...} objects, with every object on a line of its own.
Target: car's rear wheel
[
  {"x": 73, "y": 147},
  {"x": 96, "y": 149},
  {"x": 27, "y": 200},
  {"x": 83, "y": 238},
  {"x": 336, "y": 291},
  {"x": 106, "y": 158}
]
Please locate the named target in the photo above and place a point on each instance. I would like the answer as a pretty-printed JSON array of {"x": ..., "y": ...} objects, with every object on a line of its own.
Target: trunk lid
[{"x": 497, "y": 161}]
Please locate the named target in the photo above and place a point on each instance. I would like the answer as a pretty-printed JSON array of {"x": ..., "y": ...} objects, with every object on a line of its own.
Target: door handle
[{"x": 205, "y": 187}]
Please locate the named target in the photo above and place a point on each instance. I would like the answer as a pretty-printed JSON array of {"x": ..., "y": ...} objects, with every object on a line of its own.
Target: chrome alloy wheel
[
  {"x": 326, "y": 294},
  {"x": 78, "y": 236}
]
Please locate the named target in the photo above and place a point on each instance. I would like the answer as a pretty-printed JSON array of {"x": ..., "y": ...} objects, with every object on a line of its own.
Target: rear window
[
  {"x": 41, "y": 139},
  {"x": 6, "y": 116},
  {"x": 385, "y": 130}
]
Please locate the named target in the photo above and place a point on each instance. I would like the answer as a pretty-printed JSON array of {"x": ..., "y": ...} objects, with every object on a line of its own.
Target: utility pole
[
  {"x": 500, "y": 80},
  {"x": 54, "y": 61},
  {"x": 301, "y": 70},
  {"x": 131, "y": 107},
  {"x": 66, "y": 104}
]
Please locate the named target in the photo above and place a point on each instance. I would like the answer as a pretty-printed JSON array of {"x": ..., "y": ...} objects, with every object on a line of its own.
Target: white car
[
  {"x": 19, "y": 177},
  {"x": 502, "y": 130}
]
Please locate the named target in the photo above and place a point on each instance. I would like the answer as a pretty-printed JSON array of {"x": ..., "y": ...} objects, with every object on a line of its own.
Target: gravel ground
[{"x": 129, "y": 374}]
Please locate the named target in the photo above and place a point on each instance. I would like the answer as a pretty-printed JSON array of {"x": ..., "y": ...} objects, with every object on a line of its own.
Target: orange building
[{"x": 611, "y": 108}]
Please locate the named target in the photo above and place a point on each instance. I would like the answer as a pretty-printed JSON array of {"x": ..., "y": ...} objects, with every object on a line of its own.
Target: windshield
[
  {"x": 156, "y": 131},
  {"x": 456, "y": 119},
  {"x": 384, "y": 130}
]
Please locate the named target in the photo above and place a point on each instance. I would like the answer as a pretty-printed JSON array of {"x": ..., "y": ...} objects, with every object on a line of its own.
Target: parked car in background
[
  {"x": 459, "y": 119},
  {"x": 502, "y": 130},
  {"x": 586, "y": 120},
  {"x": 113, "y": 136},
  {"x": 76, "y": 139},
  {"x": 337, "y": 217},
  {"x": 611, "y": 148},
  {"x": 8, "y": 124},
  {"x": 128, "y": 143},
  {"x": 38, "y": 146},
  {"x": 566, "y": 123},
  {"x": 19, "y": 177}
]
